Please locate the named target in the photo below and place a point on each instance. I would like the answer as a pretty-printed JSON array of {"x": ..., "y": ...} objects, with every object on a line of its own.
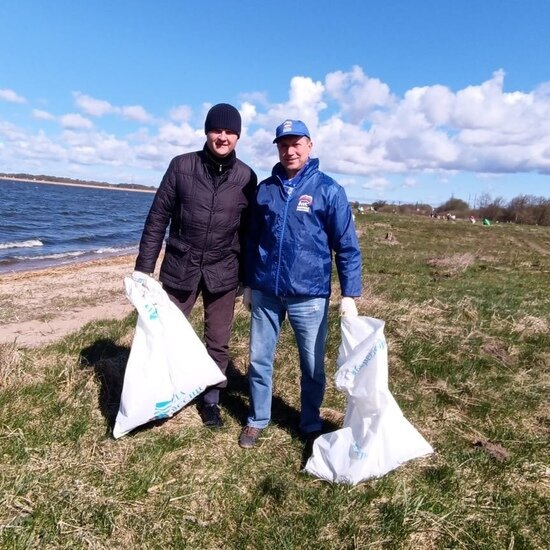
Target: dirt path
[{"x": 530, "y": 244}]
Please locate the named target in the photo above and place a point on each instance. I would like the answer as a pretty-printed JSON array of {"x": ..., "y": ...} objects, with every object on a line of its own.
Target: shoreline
[
  {"x": 88, "y": 186},
  {"x": 41, "y": 306},
  {"x": 52, "y": 263},
  {"x": 114, "y": 259}
]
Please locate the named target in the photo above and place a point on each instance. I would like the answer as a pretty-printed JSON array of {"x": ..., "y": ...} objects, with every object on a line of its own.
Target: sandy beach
[
  {"x": 68, "y": 184},
  {"x": 39, "y": 307}
]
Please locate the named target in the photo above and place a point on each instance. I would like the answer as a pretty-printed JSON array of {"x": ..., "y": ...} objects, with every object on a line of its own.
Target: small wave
[
  {"x": 58, "y": 256},
  {"x": 21, "y": 244},
  {"x": 114, "y": 250}
]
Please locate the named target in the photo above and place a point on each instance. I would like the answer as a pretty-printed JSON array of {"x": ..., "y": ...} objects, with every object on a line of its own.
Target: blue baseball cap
[{"x": 291, "y": 128}]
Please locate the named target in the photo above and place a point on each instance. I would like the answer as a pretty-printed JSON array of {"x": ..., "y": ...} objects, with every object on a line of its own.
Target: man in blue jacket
[{"x": 299, "y": 219}]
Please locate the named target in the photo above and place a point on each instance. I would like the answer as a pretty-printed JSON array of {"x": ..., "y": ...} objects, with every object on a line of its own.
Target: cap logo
[{"x": 291, "y": 128}]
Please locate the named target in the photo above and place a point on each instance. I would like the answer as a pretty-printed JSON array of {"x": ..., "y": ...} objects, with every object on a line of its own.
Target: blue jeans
[{"x": 308, "y": 318}]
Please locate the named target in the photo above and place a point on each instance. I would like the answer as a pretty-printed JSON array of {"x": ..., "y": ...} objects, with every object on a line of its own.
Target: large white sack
[
  {"x": 168, "y": 364},
  {"x": 376, "y": 437}
]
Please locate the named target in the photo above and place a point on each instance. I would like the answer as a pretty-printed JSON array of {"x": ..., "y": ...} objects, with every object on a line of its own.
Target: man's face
[
  {"x": 293, "y": 153},
  {"x": 221, "y": 141}
]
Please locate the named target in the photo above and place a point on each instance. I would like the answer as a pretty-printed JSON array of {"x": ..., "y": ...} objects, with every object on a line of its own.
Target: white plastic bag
[
  {"x": 168, "y": 364},
  {"x": 376, "y": 437}
]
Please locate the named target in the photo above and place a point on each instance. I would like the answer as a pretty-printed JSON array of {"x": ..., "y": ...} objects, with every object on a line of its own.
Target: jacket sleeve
[
  {"x": 157, "y": 221},
  {"x": 245, "y": 227},
  {"x": 343, "y": 241}
]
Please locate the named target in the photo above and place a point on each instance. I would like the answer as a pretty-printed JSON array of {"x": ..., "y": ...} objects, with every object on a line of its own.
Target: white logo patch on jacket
[{"x": 304, "y": 203}]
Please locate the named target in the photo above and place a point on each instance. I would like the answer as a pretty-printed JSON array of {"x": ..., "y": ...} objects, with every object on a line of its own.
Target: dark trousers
[{"x": 218, "y": 317}]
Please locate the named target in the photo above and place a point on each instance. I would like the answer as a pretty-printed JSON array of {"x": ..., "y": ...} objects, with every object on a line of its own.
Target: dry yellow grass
[{"x": 470, "y": 372}]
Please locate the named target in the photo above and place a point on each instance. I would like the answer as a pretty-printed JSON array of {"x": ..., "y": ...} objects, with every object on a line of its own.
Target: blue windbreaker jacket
[{"x": 293, "y": 236}]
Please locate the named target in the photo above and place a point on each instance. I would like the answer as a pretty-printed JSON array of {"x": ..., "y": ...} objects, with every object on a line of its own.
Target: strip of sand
[
  {"x": 42, "y": 306},
  {"x": 68, "y": 184}
]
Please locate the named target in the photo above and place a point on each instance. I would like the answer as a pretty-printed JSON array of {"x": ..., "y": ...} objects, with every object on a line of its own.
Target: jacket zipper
[
  {"x": 285, "y": 215},
  {"x": 214, "y": 195}
]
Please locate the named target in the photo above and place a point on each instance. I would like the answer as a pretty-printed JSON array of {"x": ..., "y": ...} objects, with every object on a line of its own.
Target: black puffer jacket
[{"x": 205, "y": 201}]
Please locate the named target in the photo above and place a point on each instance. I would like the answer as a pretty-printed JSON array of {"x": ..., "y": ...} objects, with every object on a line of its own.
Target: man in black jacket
[{"x": 204, "y": 198}]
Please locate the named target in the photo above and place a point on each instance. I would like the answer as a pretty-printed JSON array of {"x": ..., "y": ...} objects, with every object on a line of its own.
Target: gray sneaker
[{"x": 249, "y": 436}]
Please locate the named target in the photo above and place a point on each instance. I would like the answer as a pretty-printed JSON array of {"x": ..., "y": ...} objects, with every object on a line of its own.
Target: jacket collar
[
  {"x": 219, "y": 165},
  {"x": 311, "y": 166}
]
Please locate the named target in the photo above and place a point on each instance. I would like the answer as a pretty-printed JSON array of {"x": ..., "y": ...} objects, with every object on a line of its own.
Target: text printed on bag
[
  {"x": 359, "y": 453},
  {"x": 378, "y": 345},
  {"x": 165, "y": 409},
  {"x": 152, "y": 311}
]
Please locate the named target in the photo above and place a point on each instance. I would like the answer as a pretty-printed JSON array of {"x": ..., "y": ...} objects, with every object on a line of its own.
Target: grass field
[{"x": 467, "y": 315}]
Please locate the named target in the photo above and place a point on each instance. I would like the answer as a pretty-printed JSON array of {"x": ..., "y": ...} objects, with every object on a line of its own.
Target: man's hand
[
  {"x": 247, "y": 298},
  {"x": 348, "y": 307}
]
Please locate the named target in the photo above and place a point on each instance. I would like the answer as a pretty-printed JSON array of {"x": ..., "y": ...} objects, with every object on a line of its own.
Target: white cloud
[
  {"x": 42, "y": 115},
  {"x": 149, "y": 152},
  {"x": 362, "y": 132},
  {"x": 135, "y": 112},
  {"x": 248, "y": 113},
  {"x": 10, "y": 132},
  {"x": 258, "y": 149},
  {"x": 305, "y": 101},
  {"x": 260, "y": 98},
  {"x": 42, "y": 147},
  {"x": 96, "y": 148},
  {"x": 480, "y": 128},
  {"x": 357, "y": 94},
  {"x": 181, "y": 113},
  {"x": 27, "y": 148},
  {"x": 11, "y": 96},
  {"x": 99, "y": 107},
  {"x": 376, "y": 183},
  {"x": 75, "y": 121},
  {"x": 347, "y": 182},
  {"x": 434, "y": 102},
  {"x": 92, "y": 106},
  {"x": 113, "y": 150},
  {"x": 182, "y": 135},
  {"x": 306, "y": 94}
]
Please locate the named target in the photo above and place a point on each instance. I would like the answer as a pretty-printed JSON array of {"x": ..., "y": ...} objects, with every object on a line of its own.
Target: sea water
[{"x": 44, "y": 224}]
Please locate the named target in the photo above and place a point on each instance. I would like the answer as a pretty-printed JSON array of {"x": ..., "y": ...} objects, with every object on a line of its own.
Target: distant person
[
  {"x": 299, "y": 219},
  {"x": 204, "y": 199}
]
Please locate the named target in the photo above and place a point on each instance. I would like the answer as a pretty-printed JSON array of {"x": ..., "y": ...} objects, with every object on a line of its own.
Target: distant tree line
[
  {"x": 60, "y": 179},
  {"x": 523, "y": 209}
]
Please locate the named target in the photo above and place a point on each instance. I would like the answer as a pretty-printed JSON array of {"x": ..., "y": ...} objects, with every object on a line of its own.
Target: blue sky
[{"x": 406, "y": 100}]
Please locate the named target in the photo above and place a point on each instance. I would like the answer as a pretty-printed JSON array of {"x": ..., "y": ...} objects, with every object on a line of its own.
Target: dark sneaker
[
  {"x": 211, "y": 417},
  {"x": 248, "y": 437},
  {"x": 309, "y": 438}
]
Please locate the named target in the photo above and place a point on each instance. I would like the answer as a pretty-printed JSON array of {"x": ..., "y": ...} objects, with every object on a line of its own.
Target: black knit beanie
[{"x": 223, "y": 117}]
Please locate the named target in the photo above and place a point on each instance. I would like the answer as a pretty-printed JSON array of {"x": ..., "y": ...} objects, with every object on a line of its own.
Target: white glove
[
  {"x": 139, "y": 276},
  {"x": 348, "y": 307},
  {"x": 247, "y": 298}
]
